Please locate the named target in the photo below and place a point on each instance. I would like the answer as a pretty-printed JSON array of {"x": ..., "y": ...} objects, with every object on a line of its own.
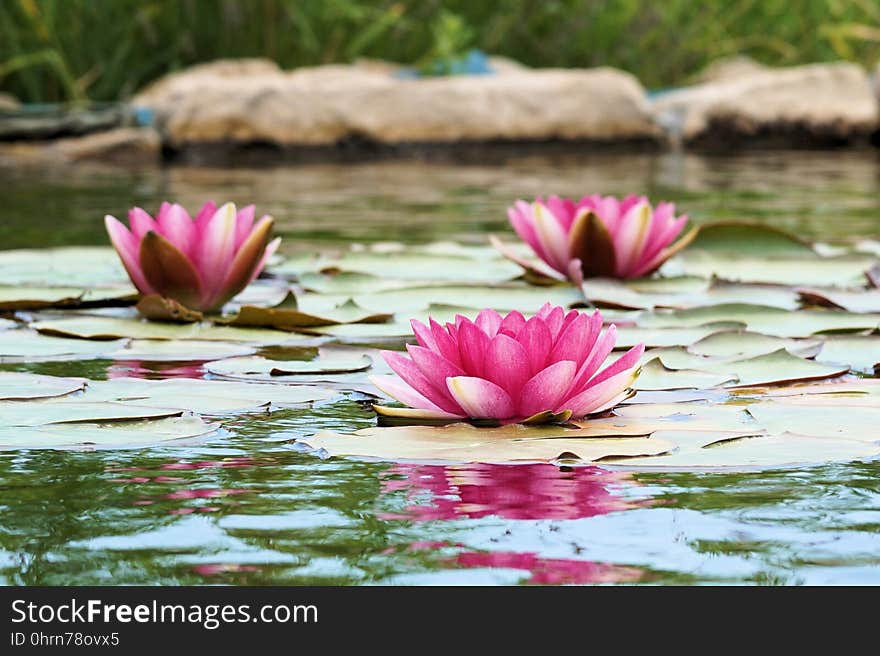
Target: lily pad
[
  {"x": 107, "y": 328},
  {"x": 77, "y": 411},
  {"x": 750, "y": 238},
  {"x": 744, "y": 344},
  {"x": 691, "y": 292},
  {"x": 209, "y": 397},
  {"x": 263, "y": 369},
  {"x": 843, "y": 270},
  {"x": 627, "y": 336},
  {"x": 657, "y": 376},
  {"x": 464, "y": 443},
  {"x": 88, "y": 436},
  {"x": 34, "y": 298},
  {"x": 190, "y": 350},
  {"x": 822, "y": 419},
  {"x": 762, "y": 319},
  {"x": 30, "y": 346},
  {"x": 853, "y": 301},
  {"x": 69, "y": 266},
  {"x": 21, "y": 386},
  {"x": 861, "y": 352},
  {"x": 287, "y": 316},
  {"x": 742, "y": 450}
]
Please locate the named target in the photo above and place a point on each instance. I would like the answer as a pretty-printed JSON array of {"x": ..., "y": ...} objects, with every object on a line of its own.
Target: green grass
[{"x": 59, "y": 50}]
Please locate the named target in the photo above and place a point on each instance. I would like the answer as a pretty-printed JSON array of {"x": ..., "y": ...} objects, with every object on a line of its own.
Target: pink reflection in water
[
  {"x": 209, "y": 493},
  {"x": 223, "y": 568},
  {"x": 154, "y": 370},
  {"x": 510, "y": 491},
  {"x": 549, "y": 571}
]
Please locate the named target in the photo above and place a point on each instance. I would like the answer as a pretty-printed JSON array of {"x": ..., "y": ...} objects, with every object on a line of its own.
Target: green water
[{"x": 251, "y": 507}]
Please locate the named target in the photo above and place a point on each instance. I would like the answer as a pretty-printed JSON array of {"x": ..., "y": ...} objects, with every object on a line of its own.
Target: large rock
[
  {"x": 121, "y": 146},
  {"x": 8, "y": 103},
  {"x": 326, "y": 105},
  {"x": 819, "y": 104}
]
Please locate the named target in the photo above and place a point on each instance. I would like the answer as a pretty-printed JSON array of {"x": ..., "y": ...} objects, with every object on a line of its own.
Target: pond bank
[{"x": 230, "y": 111}]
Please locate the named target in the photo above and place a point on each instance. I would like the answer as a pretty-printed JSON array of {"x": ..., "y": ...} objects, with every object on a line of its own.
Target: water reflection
[
  {"x": 436, "y": 492},
  {"x": 154, "y": 370}
]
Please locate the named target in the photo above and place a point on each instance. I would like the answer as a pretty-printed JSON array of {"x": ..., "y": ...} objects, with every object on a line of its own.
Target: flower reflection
[
  {"x": 154, "y": 370},
  {"x": 549, "y": 571},
  {"x": 511, "y": 491}
]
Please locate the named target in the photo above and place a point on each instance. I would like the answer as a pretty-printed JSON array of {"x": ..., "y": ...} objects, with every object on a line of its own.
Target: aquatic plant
[
  {"x": 597, "y": 236},
  {"x": 548, "y": 367},
  {"x": 201, "y": 263}
]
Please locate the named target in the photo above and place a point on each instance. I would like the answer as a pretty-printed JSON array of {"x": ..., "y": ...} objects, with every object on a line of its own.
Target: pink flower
[
  {"x": 199, "y": 263},
  {"x": 597, "y": 236},
  {"x": 511, "y": 368}
]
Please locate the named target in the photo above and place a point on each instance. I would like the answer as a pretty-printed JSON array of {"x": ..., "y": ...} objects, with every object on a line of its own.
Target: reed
[{"x": 62, "y": 50}]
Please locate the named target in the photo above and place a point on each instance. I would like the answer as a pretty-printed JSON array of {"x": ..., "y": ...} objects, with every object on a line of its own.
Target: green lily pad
[
  {"x": 750, "y": 238},
  {"x": 34, "y": 298},
  {"x": 772, "y": 368},
  {"x": 627, "y": 336},
  {"x": 107, "y": 328},
  {"x": 762, "y": 319},
  {"x": 412, "y": 266},
  {"x": 824, "y": 418},
  {"x": 732, "y": 450},
  {"x": 69, "y": 266},
  {"x": 842, "y": 270},
  {"x": 113, "y": 435},
  {"x": 527, "y": 299},
  {"x": 657, "y": 376},
  {"x": 861, "y": 352},
  {"x": 745, "y": 344},
  {"x": 208, "y": 397},
  {"x": 263, "y": 369},
  {"x": 30, "y": 346},
  {"x": 462, "y": 442},
  {"x": 283, "y": 317},
  {"x": 189, "y": 350},
  {"x": 853, "y": 301},
  {"x": 691, "y": 292},
  {"x": 20, "y": 386},
  {"x": 75, "y": 410}
]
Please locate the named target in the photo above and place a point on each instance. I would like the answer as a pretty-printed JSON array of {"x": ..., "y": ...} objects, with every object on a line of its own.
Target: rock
[
  {"x": 818, "y": 104},
  {"x": 505, "y": 65},
  {"x": 8, "y": 103},
  {"x": 121, "y": 146},
  {"x": 328, "y": 105},
  {"x": 730, "y": 68},
  {"x": 51, "y": 122}
]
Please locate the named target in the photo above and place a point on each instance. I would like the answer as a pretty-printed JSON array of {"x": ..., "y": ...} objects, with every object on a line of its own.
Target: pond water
[{"x": 250, "y": 507}]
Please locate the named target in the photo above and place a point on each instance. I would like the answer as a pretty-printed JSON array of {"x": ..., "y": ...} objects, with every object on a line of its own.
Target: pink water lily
[
  {"x": 200, "y": 263},
  {"x": 510, "y": 368},
  {"x": 598, "y": 236}
]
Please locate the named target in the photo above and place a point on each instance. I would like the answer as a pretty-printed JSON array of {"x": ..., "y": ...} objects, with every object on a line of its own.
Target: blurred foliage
[{"x": 54, "y": 50}]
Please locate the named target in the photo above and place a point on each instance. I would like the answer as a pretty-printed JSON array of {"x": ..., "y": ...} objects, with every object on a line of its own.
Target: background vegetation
[{"x": 57, "y": 50}]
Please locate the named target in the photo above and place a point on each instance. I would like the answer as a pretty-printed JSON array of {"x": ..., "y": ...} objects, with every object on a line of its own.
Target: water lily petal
[
  {"x": 246, "y": 260},
  {"x": 601, "y": 350},
  {"x": 630, "y": 238},
  {"x": 523, "y": 223},
  {"x": 552, "y": 236},
  {"x": 489, "y": 321},
  {"x": 141, "y": 223},
  {"x": 480, "y": 398},
  {"x": 537, "y": 341},
  {"x": 399, "y": 390},
  {"x": 244, "y": 223},
  {"x": 446, "y": 343},
  {"x": 216, "y": 248},
  {"x": 423, "y": 334},
  {"x": 546, "y": 389},
  {"x": 169, "y": 271},
  {"x": 507, "y": 364},
  {"x": 269, "y": 252},
  {"x": 590, "y": 241},
  {"x": 175, "y": 224},
  {"x": 127, "y": 247},
  {"x": 604, "y": 395},
  {"x": 413, "y": 376},
  {"x": 473, "y": 344},
  {"x": 512, "y": 323}
]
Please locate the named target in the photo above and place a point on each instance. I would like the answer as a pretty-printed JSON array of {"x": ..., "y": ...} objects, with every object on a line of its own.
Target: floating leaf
[
  {"x": 657, "y": 376},
  {"x": 69, "y": 266},
  {"x": 758, "y": 318},
  {"x": 105, "y": 328},
  {"x": 843, "y": 270},
  {"x": 210, "y": 397},
  {"x": 160, "y": 308},
  {"x": 750, "y": 238},
  {"x": 742, "y": 450},
  {"x": 30, "y": 346},
  {"x": 189, "y": 350},
  {"x": 287, "y": 317},
  {"x": 744, "y": 344},
  {"x": 264, "y": 369},
  {"x": 16, "y": 386},
  {"x": 77, "y": 411},
  {"x": 464, "y": 443},
  {"x": 36, "y": 298},
  {"x": 853, "y": 301},
  {"x": 114, "y": 435},
  {"x": 627, "y": 337},
  {"x": 690, "y": 292},
  {"x": 861, "y": 352},
  {"x": 858, "y": 423}
]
